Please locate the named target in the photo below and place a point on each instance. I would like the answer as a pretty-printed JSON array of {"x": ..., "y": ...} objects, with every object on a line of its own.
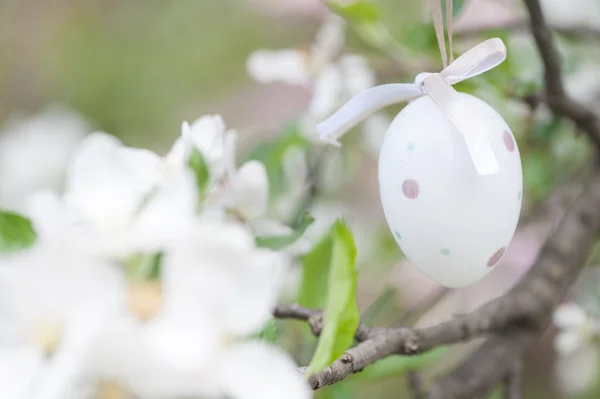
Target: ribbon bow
[{"x": 438, "y": 86}]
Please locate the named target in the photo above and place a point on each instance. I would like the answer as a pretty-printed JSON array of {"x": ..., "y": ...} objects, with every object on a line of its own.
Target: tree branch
[
  {"x": 513, "y": 383},
  {"x": 556, "y": 97}
]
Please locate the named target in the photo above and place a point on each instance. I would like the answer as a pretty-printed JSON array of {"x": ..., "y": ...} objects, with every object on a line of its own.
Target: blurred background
[{"x": 138, "y": 68}]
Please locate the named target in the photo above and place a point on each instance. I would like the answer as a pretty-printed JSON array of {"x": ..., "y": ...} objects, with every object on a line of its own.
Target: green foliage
[
  {"x": 201, "y": 171},
  {"x": 365, "y": 17},
  {"x": 279, "y": 242},
  {"x": 269, "y": 333},
  {"x": 396, "y": 365},
  {"x": 272, "y": 153},
  {"x": 315, "y": 266},
  {"x": 16, "y": 232},
  {"x": 419, "y": 39},
  {"x": 537, "y": 174},
  {"x": 342, "y": 390},
  {"x": 544, "y": 132},
  {"x": 144, "y": 266},
  {"x": 360, "y": 11},
  {"x": 341, "y": 311}
]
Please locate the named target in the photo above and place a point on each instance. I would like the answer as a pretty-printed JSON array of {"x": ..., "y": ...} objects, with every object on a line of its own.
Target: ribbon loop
[
  {"x": 438, "y": 86},
  {"x": 478, "y": 60}
]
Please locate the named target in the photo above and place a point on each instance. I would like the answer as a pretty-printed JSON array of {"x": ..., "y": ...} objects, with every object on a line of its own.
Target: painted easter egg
[{"x": 452, "y": 223}]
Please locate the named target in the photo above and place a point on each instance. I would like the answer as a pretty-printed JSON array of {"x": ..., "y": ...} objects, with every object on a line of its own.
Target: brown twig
[{"x": 556, "y": 97}]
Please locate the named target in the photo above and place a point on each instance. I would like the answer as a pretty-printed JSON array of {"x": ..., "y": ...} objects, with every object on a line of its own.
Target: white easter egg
[{"x": 452, "y": 223}]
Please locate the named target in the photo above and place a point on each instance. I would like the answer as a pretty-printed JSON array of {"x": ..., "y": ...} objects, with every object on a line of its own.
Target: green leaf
[
  {"x": 16, "y": 232},
  {"x": 365, "y": 18},
  {"x": 537, "y": 174},
  {"x": 419, "y": 41},
  {"x": 201, "y": 171},
  {"x": 341, "y": 311},
  {"x": 396, "y": 365},
  {"x": 359, "y": 11},
  {"x": 342, "y": 390},
  {"x": 271, "y": 154},
  {"x": 315, "y": 265},
  {"x": 269, "y": 333},
  {"x": 144, "y": 266},
  {"x": 279, "y": 242}
]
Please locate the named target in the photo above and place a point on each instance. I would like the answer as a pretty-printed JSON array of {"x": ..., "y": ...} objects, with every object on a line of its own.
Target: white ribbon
[{"x": 438, "y": 86}]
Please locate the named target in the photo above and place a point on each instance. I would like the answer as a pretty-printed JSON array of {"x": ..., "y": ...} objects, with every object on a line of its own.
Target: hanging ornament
[{"x": 450, "y": 175}]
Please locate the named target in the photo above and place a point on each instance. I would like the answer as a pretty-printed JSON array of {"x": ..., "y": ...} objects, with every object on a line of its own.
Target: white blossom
[
  {"x": 576, "y": 328},
  {"x": 208, "y": 135},
  {"x": 216, "y": 288},
  {"x": 250, "y": 190},
  {"x": 139, "y": 285},
  {"x": 334, "y": 77},
  {"x": 274, "y": 66},
  {"x": 34, "y": 153},
  {"x": 573, "y": 13},
  {"x": 54, "y": 298}
]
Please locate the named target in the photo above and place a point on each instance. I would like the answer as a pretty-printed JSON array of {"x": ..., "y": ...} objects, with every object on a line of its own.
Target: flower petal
[
  {"x": 168, "y": 214},
  {"x": 18, "y": 370},
  {"x": 567, "y": 342},
  {"x": 251, "y": 190},
  {"x": 569, "y": 315},
  {"x": 286, "y": 66},
  {"x": 255, "y": 370},
  {"x": 107, "y": 182}
]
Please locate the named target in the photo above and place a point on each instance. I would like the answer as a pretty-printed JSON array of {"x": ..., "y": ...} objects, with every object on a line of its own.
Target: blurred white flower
[
  {"x": 138, "y": 285},
  {"x": 295, "y": 66},
  {"x": 287, "y": 66},
  {"x": 334, "y": 77},
  {"x": 584, "y": 84},
  {"x": 126, "y": 198},
  {"x": 573, "y": 13},
  {"x": 54, "y": 299},
  {"x": 216, "y": 288},
  {"x": 34, "y": 153},
  {"x": 578, "y": 371},
  {"x": 250, "y": 190},
  {"x": 575, "y": 327}
]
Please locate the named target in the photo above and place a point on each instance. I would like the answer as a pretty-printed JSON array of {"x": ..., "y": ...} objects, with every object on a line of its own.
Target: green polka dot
[
  {"x": 398, "y": 236},
  {"x": 445, "y": 251},
  {"x": 519, "y": 195},
  {"x": 410, "y": 146}
]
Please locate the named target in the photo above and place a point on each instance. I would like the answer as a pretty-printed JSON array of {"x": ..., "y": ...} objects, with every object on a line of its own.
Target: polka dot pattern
[
  {"x": 509, "y": 142},
  {"x": 410, "y": 188},
  {"x": 445, "y": 251},
  {"x": 398, "y": 236},
  {"x": 519, "y": 196},
  {"x": 495, "y": 258},
  {"x": 410, "y": 146}
]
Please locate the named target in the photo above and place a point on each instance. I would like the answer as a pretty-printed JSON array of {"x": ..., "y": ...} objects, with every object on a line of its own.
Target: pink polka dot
[
  {"x": 410, "y": 188},
  {"x": 496, "y": 257},
  {"x": 509, "y": 142}
]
